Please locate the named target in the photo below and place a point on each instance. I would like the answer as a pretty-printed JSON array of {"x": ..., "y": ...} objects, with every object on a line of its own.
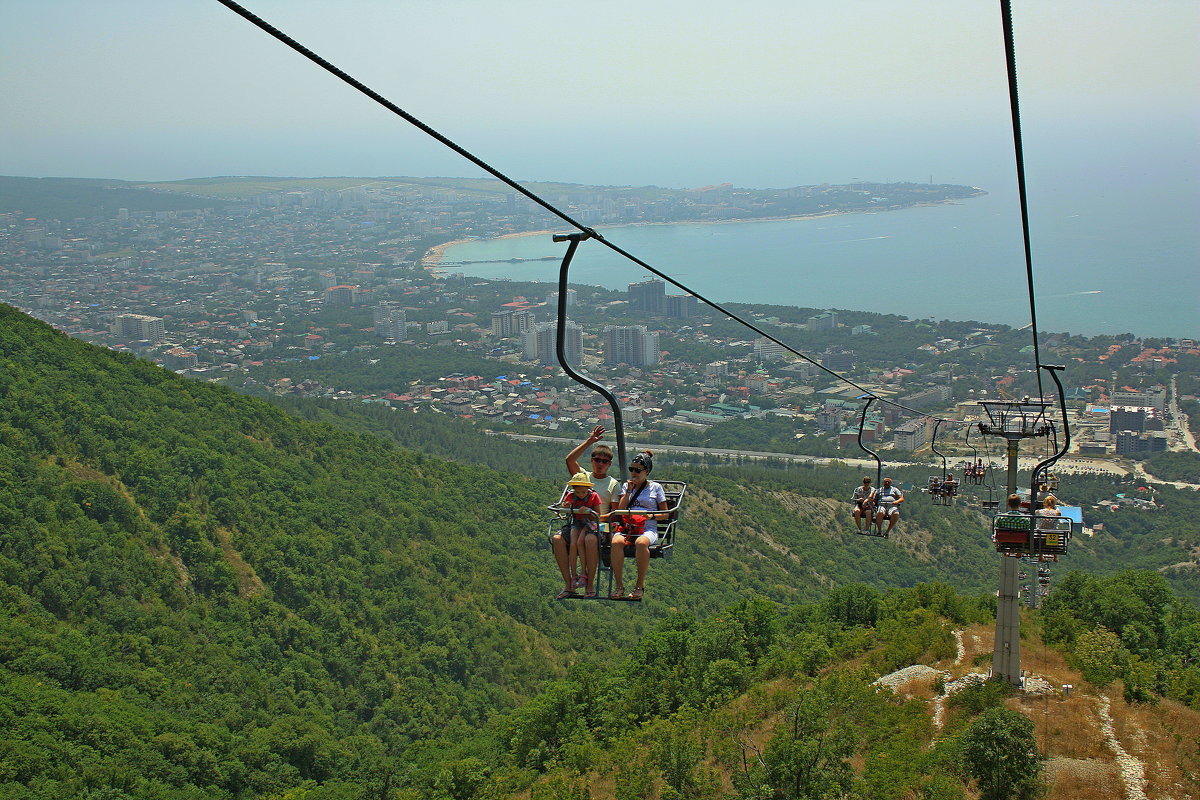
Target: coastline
[{"x": 434, "y": 255}]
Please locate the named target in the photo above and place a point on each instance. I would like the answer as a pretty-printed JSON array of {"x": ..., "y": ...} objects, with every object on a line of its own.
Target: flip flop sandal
[
  {"x": 636, "y": 594},
  {"x": 564, "y": 594},
  {"x": 619, "y": 594}
]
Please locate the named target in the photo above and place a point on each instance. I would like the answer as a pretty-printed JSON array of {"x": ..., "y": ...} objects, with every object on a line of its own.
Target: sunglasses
[
  {"x": 636, "y": 470},
  {"x": 600, "y": 460}
]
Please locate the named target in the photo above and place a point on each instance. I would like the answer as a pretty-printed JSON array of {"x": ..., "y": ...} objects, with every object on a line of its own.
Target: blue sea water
[{"x": 1114, "y": 241}]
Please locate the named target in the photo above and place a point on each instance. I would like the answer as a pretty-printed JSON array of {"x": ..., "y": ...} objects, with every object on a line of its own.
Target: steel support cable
[
  {"x": 1011, "y": 59},
  {"x": 336, "y": 71}
]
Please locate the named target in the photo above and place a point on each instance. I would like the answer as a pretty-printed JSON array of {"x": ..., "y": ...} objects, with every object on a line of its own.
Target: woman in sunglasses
[
  {"x": 608, "y": 488},
  {"x": 648, "y": 500}
]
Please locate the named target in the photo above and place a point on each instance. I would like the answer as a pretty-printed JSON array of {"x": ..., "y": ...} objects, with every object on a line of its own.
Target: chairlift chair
[
  {"x": 673, "y": 490},
  {"x": 668, "y": 530},
  {"x": 874, "y": 524},
  {"x": 1025, "y": 535},
  {"x": 991, "y": 503},
  {"x": 942, "y": 494},
  {"x": 974, "y": 471}
]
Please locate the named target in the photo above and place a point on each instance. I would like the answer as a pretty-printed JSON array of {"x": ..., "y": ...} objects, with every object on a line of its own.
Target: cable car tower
[{"x": 1018, "y": 534}]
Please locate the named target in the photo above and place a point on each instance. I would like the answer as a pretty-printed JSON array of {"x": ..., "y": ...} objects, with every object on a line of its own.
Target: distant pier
[{"x": 496, "y": 261}]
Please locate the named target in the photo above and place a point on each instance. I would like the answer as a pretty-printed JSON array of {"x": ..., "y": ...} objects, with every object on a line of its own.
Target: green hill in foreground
[
  {"x": 201, "y": 596},
  {"x": 870, "y": 695}
]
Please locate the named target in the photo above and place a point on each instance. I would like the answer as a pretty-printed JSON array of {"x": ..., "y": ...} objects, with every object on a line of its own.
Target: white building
[
  {"x": 139, "y": 326},
  {"x": 766, "y": 350},
  {"x": 390, "y": 321}
]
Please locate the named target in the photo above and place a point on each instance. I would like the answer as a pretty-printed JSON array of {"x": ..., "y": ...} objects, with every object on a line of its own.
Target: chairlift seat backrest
[{"x": 1027, "y": 535}]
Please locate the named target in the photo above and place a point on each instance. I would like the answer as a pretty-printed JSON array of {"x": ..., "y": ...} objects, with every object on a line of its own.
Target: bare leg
[
  {"x": 616, "y": 556},
  {"x": 591, "y": 558},
  {"x": 643, "y": 560},
  {"x": 559, "y": 545},
  {"x": 892, "y": 520},
  {"x": 574, "y": 555}
]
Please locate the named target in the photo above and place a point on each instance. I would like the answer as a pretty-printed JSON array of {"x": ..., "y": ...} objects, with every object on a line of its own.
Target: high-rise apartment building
[
  {"x": 507, "y": 322},
  {"x": 552, "y": 298},
  {"x": 390, "y": 321},
  {"x": 825, "y": 321},
  {"x": 767, "y": 350},
  {"x": 681, "y": 306},
  {"x": 911, "y": 434},
  {"x": 539, "y": 343},
  {"x": 340, "y": 295},
  {"x": 647, "y": 296},
  {"x": 179, "y": 358},
  {"x": 139, "y": 326},
  {"x": 631, "y": 344},
  {"x": 1132, "y": 443},
  {"x": 1154, "y": 397},
  {"x": 837, "y": 359}
]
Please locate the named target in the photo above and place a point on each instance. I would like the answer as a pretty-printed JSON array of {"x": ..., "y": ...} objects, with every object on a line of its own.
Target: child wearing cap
[{"x": 584, "y": 504}]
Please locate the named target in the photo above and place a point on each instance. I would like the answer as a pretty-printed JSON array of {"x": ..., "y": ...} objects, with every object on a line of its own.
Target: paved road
[
  {"x": 1179, "y": 420},
  {"x": 1068, "y": 466}
]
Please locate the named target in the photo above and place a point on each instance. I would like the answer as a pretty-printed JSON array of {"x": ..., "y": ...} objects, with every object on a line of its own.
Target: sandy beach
[{"x": 434, "y": 255}]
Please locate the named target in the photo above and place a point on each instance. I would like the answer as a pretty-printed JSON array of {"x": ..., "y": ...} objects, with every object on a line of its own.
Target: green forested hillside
[
  {"x": 204, "y": 596},
  {"x": 761, "y": 703},
  {"x": 201, "y": 591}
]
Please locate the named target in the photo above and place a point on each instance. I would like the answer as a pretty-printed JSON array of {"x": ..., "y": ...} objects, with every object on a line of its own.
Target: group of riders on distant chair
[
  {"x": 943, "y": 488},
  {"x": 873, "y": 505}
]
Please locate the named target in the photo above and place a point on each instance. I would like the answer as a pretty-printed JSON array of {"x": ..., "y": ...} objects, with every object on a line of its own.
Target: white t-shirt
[
  {"x": 609, "y": 489},
  {"x": 862, "y": 493},
  {"x": 1048, "y": 521},
  {"x": 888, "y": 495},
  {"x": 647, "y": 500}
]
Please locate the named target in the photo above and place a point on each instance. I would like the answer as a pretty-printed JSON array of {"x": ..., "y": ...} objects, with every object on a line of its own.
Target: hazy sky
[{"x": 615, "y": 92}]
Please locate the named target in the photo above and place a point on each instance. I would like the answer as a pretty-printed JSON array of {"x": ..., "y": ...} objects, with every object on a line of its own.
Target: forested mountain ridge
[
  {"x": 202, "y": 596},
  {"x": 201, "y": 593}
]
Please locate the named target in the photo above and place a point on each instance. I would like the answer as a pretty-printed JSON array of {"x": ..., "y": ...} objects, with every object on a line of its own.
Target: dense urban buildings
[{"x": 309, "y": 293}]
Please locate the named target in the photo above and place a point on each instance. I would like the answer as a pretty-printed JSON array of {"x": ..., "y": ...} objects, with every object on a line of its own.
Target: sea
[{"x": 1115, "y": 249}]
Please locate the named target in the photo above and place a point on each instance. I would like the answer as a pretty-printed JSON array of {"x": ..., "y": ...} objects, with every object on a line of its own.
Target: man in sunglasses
[{"x": 609, "y": 489}]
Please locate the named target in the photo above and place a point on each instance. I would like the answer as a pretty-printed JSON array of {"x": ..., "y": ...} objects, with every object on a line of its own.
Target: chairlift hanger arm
[
  {"x": 933, "y": 447},
  {"x": 560, "y": 342},
  {"x": 1019, "y": 149},
  {"x": 861, "y": 424},
  {"x": 1066, "y": 426}
]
